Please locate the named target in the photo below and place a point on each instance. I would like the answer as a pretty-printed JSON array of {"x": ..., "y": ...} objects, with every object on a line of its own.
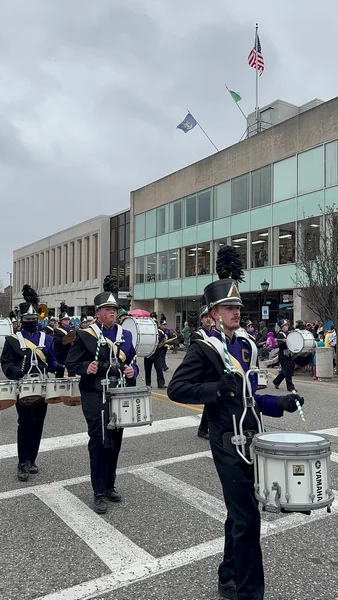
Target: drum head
[
  {"x": 288, "y": 437},
  {"x": 295, "y": 341},
  {"x": 130, "y": 325}
]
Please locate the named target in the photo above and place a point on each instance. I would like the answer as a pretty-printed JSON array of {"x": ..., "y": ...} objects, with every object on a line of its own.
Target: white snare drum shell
[
  {"x": 31, "y": 390},
  {"x": 299, "y": 463},
  {"x": 130, "y": 407},
  {"x": 74, "y": 395},
  {"x": 56, "y": 389},
  {"x": 8, "y": 394}
]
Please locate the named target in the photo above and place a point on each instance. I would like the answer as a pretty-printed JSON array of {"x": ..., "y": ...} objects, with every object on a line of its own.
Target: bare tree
[{"x": 317, "y": 265}]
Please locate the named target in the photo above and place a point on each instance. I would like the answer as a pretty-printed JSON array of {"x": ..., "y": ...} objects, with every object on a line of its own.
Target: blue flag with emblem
[{"x": 187, "y": 124}]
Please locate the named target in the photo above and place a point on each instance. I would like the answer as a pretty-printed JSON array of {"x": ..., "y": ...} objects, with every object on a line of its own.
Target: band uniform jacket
[
  {"x": 202, "y": 333},
  {"x": 49, "y": 330},
  {"x": 16, "y": 362},
  {"x": 61, "y": 350},
  {"x": 83, "y": 350},
  {"x": 195, "y": 382}
]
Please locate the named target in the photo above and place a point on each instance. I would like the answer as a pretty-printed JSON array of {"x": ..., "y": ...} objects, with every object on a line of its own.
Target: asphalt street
[{"x": 165, "y": 539}]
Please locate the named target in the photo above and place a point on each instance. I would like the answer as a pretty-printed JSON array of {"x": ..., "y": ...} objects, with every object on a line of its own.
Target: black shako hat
[
  {"x": 105, "y": 299},
  {"x": 30, "y": 307},
  {"x": 230, "y": 272}
]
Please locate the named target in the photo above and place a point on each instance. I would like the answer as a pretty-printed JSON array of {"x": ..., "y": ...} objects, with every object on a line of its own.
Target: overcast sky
[{"x": 91, "y": 92}]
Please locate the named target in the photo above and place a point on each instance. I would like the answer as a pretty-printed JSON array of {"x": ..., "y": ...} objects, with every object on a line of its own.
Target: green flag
[{"x": 235, "y": 96}]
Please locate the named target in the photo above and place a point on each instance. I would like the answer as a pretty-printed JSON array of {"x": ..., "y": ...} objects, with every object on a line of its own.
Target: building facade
[
  {"x": 120, "y": 254},
  {"x": 68, "y": 266},
  {"x": 263, "y": 195}
]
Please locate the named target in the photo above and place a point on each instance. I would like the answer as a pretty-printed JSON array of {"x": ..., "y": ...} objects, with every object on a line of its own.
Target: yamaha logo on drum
[
  {"x": 319, "y": 480},
  {"x": 138, "y": 410}
]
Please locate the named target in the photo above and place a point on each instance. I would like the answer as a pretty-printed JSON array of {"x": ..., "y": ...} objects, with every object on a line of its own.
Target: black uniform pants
[
  {"x": 203, "y": 426},
  {"x": 60, "y": 372},
  {"x": 287, "y": 366},
  {"x": 30, "y": 426},
  {"x": 103, "y": 461},
  {"x": 163, "y": 353},
  {"x": 242, "y": 559},
  {"x": 155, "y": 360}
]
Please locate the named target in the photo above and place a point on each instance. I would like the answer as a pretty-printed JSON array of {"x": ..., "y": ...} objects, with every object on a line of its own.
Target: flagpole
[
  {"x": 238, "y": 106},
  {"x": 257, "y": 109},
  {"x": 205, "y": 133}
]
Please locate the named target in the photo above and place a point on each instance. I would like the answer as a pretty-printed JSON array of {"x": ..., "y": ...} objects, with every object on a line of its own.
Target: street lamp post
[{"x": 265, "y": 288}]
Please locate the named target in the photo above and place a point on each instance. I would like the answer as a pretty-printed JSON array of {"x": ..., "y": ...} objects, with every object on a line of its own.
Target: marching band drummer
[
  {"x": 201, "y": 378},
  {"x": 49, "y": 329},
  {"x": 156, "y": 359},
  {"x": 16, "y": 362},
  {"x": 64, "y": 335},
  {"x": 82, "y": 360}
]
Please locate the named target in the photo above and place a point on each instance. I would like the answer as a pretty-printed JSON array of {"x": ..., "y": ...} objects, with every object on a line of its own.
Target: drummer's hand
[
  {"x": 92, "y": 368},
  {"x": 226, "y": 384},
  {"x": 128, "y": 372},
  {"x": 288, "y": 402}
]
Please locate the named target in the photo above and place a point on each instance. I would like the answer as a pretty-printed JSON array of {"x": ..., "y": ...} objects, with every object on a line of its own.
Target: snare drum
[
  {"x": 144, "y": 334},
  {"x": 130, "y": 407},
  {"x": 74, "y": 396},
  {"x": 8, "y": 394},
  {"x": 31, "y": 390},
  {"x": 292, "y": 471},
  {"x": 56, "y": 389},
  {"x": 300, "y": 341}
]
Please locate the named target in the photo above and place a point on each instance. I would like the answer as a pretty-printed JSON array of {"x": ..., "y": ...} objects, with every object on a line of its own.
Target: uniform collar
[
  {"x": 104, "y": 327},
  {"x": 217, "y": 334}
]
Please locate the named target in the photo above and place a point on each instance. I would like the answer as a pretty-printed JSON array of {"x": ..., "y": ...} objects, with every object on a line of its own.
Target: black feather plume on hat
[
  {"x": 229, "y": 264},
  {"x": 63, "y": 307},
  {"x": 29, "y": 294}
]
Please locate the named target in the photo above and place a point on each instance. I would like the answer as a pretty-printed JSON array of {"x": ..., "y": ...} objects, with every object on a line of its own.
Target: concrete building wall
[{"x": 67, "y": 266}]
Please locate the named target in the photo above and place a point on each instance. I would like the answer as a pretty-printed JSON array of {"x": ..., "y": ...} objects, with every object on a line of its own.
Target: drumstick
[
  {"x": 119, "y": 383},
  {"x": 98, "y": 347},
  {"x": 300, "y": 410},
  {"x": 225, "y": 348}
]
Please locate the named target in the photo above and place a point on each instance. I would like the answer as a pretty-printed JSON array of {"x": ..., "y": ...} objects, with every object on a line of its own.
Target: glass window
[
  {"x": 204, "y": 206},
  {"x": 218, "y": 245},
  {"x": 310, "y": 170},
  {"x": 174, "y": 264},
  {"x": 151, "y": 223},
  {"x": 286, "y": 243},
  {"x": 162, "y": 221},
  {"x": 331, "y": 163},
  {"x": 121, "y": 256},
  {"x": 121, "y": 275},
  {"x": 127, "y": 276},
  {"x": 190, "y": 211},
  {"x": 222, "y": 200},
  {"x": 140, "y": 227},
  {"x": 190, "y": 261},
  {"x": 163, "y": 265},
  {"x": 261, "y": 187},
  {"x": 128, "y": 216},
  {"x": 240, "y": 194},
  {"x": 127, "y": 236},
  {"x": 127, "y": 255},
  {"x": 113, "y": 222},
  {"x": 176, "y": 215},
  {"x": 203, "y": 259},
  {"x": 121, "y": 236},
  {"x": 113, "y": 240},
  {"x": 309, "y": 238},
  {"x": 151, "y": 267},
  {"x": 139, "y": 269},
  {"x": 241, "y": 243},
  {"x": 260, "y": 248},
  {"x": 121, "y": 219},
  {"x": 285, "y": 179}
]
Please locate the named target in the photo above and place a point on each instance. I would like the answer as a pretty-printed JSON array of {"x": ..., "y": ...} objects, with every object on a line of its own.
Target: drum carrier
[{"x": 122, "y": 405}]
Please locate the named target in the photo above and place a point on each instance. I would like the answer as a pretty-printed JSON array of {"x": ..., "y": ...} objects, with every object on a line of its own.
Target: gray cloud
[{"x": 91, "y": 93}]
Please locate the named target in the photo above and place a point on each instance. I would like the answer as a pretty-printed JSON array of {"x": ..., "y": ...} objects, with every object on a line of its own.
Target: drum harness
[
  {"x": 239, "y": 439},
  {"x": 34, "y": 360}
]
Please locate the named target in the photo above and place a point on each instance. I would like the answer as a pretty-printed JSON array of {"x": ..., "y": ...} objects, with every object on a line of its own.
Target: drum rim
[
  {"x": 259, "y": 436},
  {"x": 130, "y": 390}
]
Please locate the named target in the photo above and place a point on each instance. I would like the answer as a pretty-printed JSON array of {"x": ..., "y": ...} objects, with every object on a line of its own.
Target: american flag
[{"x": 252, "y": 56}]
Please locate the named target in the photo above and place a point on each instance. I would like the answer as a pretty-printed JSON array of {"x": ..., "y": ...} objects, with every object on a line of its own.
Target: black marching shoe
[
  {"x": 162, "y": 387},
  {"x": 276, "y": 386},
  {"x": 165, "y": 369},
  {"x": 203, "y": 434},
  {"x": 100, "y": 504},
  {"x": 23, "y": 472},
  {"x": 227, "y": 590},
  {"x": 33, "y": 468},
  {"x": 113, "y": 495}
]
